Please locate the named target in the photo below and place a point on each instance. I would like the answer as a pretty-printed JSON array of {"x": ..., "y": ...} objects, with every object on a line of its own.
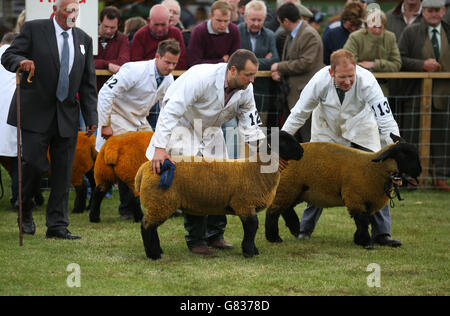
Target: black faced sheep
[
  {"x": 118, "y": 160},
  {"x": 335, "y": 175},
  {"x": 211, "y": 188}
]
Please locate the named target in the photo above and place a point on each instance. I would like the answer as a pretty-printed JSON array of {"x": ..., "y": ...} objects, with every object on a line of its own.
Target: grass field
[{"x": 112, "y": 261}]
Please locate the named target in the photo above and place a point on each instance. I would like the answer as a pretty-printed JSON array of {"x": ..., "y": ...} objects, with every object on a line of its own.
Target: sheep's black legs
[
  {"x": 292, "y": 221},
  {"x": 91, "y": 179},
  {"x": 271, "y": 226},
  {"x": 136, "y": 207},
  {"x": 79, "y": 204},
  {"x": 362, "y": 236},
  {"x": 250, "y": 225},
  {"x": 97, "y": 197},
  {"x": 151, "y": 242}
]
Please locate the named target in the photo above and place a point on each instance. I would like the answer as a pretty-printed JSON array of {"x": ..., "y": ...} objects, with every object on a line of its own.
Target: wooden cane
[{"x": 19, "y": 155}]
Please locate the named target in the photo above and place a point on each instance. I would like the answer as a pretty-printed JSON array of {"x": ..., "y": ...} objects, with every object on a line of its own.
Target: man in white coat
[
  {"x": 348, "y": 107},
  {"x": 8, "y": 133},
  {"x": 126, "y": 98},
  {"x": 193, "y": 110}
]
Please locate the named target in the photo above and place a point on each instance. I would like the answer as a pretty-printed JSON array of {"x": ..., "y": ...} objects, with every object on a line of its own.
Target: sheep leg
[
  {"x": 150, "y": 238},
  {"x": 271, "y": 225},
  {"x": 79, "y": 204},
  {"x": 91, "y": 179},
  {"x": 250, "y": 224},
  {"x": 136, "y": 207},
  {"x": 362, "y": 236},
  {"x": 97, "y": 197},
  {"x": 292, "y": 221}
]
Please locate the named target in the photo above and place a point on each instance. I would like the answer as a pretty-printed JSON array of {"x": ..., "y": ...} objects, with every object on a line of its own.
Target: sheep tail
[
  {"x": 138, "y": 179},
  {"x": 111, "y": 155}
]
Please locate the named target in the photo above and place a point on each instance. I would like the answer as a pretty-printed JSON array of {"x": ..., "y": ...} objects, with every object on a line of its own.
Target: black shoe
[
  {"x": 304, "y": 235},
  {"x": 28, "y": 226},
  {"x": 61, "y": 234},
  {"x": 386, "y": 240}
]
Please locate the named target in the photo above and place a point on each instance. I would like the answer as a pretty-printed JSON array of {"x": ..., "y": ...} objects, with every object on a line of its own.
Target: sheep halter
[{"x": 391, "y": 188}]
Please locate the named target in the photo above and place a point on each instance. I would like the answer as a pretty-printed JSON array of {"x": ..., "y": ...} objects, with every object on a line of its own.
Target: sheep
[
  {"x": 235, "y": 187},
  {"x": 335, "y": 175},
  {"x": 83, "y": 164},
  {"x": 119, "y": 160}
]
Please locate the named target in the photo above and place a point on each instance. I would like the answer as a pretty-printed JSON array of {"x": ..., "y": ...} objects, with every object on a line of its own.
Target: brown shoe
[
  {"x": 201, "y": 250},
  {"x": 442, "y": 185},
  {"x": 220, "y": 244}
]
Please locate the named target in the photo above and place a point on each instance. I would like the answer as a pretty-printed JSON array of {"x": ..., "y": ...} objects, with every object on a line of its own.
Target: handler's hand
[
  {"x": 282, "y": 164},
  {"x": 158, "y": 159},
  {"x": 90, "y": 130},
  {"x": 107, "y": 132},
  {"x": 27, "y": 66}
]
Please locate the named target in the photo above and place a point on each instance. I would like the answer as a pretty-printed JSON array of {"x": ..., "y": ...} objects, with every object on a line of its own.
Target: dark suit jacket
[{"x": 39, "y": 106}]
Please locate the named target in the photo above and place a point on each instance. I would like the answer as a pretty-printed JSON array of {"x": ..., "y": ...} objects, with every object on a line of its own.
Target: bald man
[{"x": 145, "y": 41}]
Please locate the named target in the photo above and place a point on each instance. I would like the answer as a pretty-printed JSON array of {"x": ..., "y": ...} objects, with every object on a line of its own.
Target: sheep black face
[
  {"x": 407, "y": 157},
  {"x": 289, "y": 148}
]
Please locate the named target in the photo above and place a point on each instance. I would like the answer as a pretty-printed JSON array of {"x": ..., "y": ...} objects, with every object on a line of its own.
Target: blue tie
[
  {"x": 158, "y": 81},
  {"x": 62, "y": 90}
]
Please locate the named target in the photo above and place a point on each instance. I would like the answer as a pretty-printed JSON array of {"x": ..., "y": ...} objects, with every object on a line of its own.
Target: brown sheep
[
  {"x": 335, "y": 175},
  {"x": 119, "y": 160},
  {"x": 235, "y": 187},
  {"x": 83, "y": 164}
]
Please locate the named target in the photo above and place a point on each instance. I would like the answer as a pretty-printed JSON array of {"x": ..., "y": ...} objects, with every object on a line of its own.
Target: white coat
[
  {"x": 126, "y": 98},
  {"x": 193, "y": 112},
  {"x": 8, "y": 133},
  {"x": 364, "y": 118}
]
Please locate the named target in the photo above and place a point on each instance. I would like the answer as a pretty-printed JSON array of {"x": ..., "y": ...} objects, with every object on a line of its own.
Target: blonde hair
[
  {"x": 221, "y": 5},
  {"x": 257, "y": 5},
  {"x": 339, "y": 56}
]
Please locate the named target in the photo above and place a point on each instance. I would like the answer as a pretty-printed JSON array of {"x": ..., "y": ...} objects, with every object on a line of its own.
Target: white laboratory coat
[
  {"x": 364, "y": 117},
  {"x": 193, "y": 112},
  {"x": 8, "y": 133},
  {"x": 126, "y": 98}
]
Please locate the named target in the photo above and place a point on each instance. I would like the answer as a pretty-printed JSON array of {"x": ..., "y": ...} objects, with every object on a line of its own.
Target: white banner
[{"x": 87, "y": 19}]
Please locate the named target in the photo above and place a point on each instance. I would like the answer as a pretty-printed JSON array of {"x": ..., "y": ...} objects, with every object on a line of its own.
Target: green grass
[{"x": 113, "y": 262}]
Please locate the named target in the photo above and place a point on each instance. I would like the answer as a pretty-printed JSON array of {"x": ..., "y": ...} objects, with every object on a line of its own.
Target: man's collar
[
  {"x": 251, "y": 34},
  {"x": 438, "y": 28},
  {"x": 59, "y": 29},
  {"x": 295, "y": 31},
  {"x": 210, "y": 29}
]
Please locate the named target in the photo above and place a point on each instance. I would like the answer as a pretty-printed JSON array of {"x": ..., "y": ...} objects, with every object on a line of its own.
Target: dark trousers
[
  {"x": 125, "y": 195},
  {"x": 14, "y": 180},
  {"x": 35, "y": 163},
  {"x": 201, "y": 229}
]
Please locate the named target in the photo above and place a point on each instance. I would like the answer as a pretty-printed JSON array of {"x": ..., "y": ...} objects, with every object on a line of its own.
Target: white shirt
[
  {"x": 364, "y": 117},
  {"x": 8, "y": 133},
  {"x": 126, "y": 98},
  {"x": 60, "y": 42},
  {"x": 193, "y": 111}
]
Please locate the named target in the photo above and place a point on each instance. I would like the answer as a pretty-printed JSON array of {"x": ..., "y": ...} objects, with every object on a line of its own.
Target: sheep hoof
[{"x": 369, "y": 247}]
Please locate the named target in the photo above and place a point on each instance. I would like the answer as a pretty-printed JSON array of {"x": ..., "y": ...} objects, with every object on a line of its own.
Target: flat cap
[
  {"x": 433, "y": 3},
  {"x": 304, "y": 11}
]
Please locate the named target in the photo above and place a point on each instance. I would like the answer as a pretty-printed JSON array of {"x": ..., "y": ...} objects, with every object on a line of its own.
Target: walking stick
[
  {"x": 19, "y": 155},
  {"x": 19, "y": 152}
]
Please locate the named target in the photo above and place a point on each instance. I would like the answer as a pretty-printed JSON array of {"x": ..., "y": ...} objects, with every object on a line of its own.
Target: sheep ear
[{"x": 396, "y": 138}]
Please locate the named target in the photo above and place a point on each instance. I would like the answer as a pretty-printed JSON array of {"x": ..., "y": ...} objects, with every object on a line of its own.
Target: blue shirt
[{"x": 333, "y": 40}]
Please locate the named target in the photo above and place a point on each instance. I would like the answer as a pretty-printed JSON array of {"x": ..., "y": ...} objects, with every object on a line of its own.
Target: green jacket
[{"x": 382, "y": 49}]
